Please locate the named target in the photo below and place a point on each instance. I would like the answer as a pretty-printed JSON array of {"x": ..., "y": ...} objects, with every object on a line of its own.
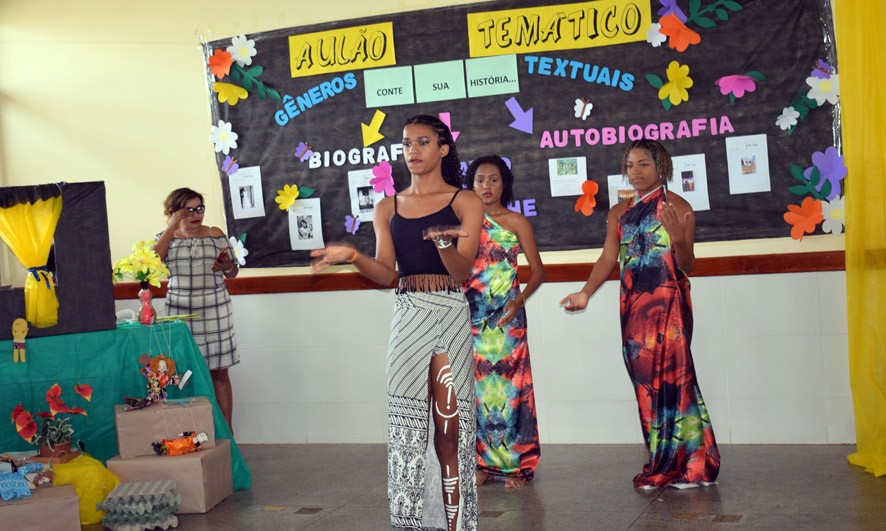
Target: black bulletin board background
[{"x": 781, "y": 39}]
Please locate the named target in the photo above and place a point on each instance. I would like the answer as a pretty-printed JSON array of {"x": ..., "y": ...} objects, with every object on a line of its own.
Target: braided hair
[
  {"x": 451, "y": 165},
  {"x": 660, "y": 156}
]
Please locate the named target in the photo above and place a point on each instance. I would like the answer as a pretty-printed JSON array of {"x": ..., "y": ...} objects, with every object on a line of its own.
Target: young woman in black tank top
[{"x": 432, "y": 232}]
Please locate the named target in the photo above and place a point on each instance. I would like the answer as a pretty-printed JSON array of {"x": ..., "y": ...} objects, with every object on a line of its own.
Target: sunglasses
[{"x": 199, "y": 209}]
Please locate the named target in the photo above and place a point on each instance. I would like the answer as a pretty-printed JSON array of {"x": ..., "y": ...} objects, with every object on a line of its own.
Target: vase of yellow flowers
[{"x": 145, "y": 267}]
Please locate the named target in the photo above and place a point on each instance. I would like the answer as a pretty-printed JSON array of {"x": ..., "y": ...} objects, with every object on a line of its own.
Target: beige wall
[{"x": 116, "y": 91}]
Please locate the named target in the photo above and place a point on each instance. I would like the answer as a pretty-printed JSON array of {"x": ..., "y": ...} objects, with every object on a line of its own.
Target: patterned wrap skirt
[{"x": 426, "y": 324}]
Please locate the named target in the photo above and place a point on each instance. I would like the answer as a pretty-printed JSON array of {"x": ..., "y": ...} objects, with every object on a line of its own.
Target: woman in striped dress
[
  {"x": 426, "y": 236},
  {"x": 199, "y": 261}
]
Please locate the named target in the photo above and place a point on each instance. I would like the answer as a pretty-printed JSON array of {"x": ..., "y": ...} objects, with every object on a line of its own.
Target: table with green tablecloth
[{"x": 107, "y": 361}]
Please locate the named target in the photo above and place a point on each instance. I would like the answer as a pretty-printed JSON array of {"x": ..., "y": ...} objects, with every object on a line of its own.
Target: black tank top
[{"x": 415, "y": 255}]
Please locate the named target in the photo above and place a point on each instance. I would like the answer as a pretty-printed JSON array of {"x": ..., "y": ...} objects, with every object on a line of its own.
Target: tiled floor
[{"x": 578, "y": 487}]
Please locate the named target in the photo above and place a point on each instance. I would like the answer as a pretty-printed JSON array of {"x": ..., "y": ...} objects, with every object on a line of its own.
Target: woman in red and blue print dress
[{"x": 651, "y": 235}]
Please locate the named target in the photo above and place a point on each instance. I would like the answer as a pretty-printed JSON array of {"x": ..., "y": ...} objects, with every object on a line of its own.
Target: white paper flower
[
  {"x": 242, "y": 50},
  {"x": 654, "y": 36},
  {"x": 224, "y": 139},
  {"x": 824, "y": 89},
  {"x": 787, "y": 118},
  {"x": 833, "y": 214},
  {"x": 238, "y": 251}
]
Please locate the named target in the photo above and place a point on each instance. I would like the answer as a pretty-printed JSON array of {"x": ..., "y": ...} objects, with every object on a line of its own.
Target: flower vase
[
  {"x": 60, "y": 453},
  {"x": 146, "y": 314}
]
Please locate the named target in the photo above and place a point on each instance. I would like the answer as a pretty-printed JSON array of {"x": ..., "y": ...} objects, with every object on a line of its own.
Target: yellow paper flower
[
  {"x": 143, "y": 265},
  {"x": 230, "y": 93},
  {"x": 287, "y": 196},
  {"x": 678, "y": 82}
]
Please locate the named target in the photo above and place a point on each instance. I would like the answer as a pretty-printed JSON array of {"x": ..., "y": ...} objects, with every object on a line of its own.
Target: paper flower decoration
[
  {"x": 587, "y": 201},
  {"x": 787, "y": 118},
  {"x": 143, "y": 265},
  {"x": 583, "y": 108},
  {"x": 303, "y": 152},
  {"x": 831, "y": 169},
  {"x": 287, "y": 196},
  {"x": 680, "y": 35},
  {"x": 654, "y": 36},
  {"x": 383, "y": 180},
  {"x": 834, "y": 216},
  {"x": 84, "y": 390},
  {"x": 822, "y": 90},
  {"x": 220, "y": 63},
  {"x": 238, "y": 251},
  {"x": 223, "y": 137},
  {"x": 737, "y": 85},
  {"x": 803, "y": 218},
  {"x": 242, "y": 50},
  {"x": 229, "y": 93},
  {"x": 675, "y": 90},
  {"x": 230, "y": 165},
  {"x": 352, "y": 223},
  {"x": 670, "y": 6}
]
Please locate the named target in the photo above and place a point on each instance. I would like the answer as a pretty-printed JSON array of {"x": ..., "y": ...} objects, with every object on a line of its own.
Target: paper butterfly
[
  {"x": 583, "y": 108},
  {"x": 303, "y": 152},
  {"x": 822, "y": 70},
  {"x": 230, "y": 165},
  {"x": 383, "y": 180},
  {"x": 352, "y": 223}
]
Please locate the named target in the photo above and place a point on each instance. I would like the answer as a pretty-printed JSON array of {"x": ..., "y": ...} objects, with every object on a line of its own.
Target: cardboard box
[
  {"x": 55, "y": 508},
  {"x": 204, "y": 478},
  {"x": 137, "y": 429}
]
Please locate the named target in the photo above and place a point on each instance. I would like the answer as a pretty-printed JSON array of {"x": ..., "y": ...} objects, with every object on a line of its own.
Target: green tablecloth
[{"x": 108, "y": 361}]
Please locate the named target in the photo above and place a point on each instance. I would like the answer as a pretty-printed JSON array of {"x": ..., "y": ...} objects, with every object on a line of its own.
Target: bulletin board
[{"x": 307, "y": 122}]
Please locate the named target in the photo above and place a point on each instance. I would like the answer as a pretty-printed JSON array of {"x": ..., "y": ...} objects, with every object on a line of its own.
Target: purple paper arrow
[{"x": 522, "y": 120}]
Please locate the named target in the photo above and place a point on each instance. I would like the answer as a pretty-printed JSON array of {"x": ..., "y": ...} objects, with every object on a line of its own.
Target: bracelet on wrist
[{"x": 442, "y": 244}]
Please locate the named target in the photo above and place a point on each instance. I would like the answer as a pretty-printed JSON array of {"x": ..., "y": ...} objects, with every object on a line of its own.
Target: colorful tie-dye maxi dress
[
  {"x": 656, "y": 326},
  {"x": 507, "y": 430}
]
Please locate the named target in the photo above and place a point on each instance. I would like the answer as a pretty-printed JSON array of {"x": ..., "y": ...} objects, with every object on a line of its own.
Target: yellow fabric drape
[
  {"x": 27, "y": 228},
  {"x": 861, "y": 56}
]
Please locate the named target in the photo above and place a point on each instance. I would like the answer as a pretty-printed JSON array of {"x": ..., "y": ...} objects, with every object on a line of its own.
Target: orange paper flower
[
  {"x": 804, "y": 218},
  {"x": 24, "y": 423},
  {"x": 220, "y": 63},
  {"x": 680, "y": 36},
  {"x": 587, "y": 202}
]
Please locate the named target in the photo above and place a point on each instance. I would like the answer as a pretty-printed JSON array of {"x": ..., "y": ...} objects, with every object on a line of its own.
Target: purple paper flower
[
  {"x": 831, "y": 167},
  {"x": 670, "y": 6}
]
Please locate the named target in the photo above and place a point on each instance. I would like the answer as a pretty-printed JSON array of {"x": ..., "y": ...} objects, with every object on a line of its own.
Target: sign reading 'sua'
[{"x": 354, "y": 48}]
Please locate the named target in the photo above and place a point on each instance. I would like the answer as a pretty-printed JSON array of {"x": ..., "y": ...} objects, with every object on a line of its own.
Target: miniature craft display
[
  {"x": 19, "y": 331},
  {"x": 185, "y": 443},
  {"x": 160, "y": 372}
]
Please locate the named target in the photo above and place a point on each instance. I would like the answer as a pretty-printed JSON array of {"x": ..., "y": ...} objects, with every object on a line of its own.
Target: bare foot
[
  {"x": 481, "y": 477},
  {"x": 515, "y": 483}
]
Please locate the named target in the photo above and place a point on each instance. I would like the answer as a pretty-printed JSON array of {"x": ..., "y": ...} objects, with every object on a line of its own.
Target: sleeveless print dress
[
  {"x": 656, "y": 324},
  {"x": 507, "y": 427}
]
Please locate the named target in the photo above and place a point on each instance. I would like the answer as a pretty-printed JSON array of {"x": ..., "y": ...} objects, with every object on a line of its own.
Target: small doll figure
[
  {"x": 160, "y": 372},
  {"x": 186, "y": 443},
  {"x": 19, "y": 331}
]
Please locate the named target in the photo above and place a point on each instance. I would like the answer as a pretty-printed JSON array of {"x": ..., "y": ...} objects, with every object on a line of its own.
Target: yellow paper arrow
[{"x": 370, "y": 132}]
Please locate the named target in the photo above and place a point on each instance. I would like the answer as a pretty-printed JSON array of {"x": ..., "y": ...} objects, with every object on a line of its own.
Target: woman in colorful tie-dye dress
[
  {"x": 507, "y": 431},
  {"x": 651, "y": 235}
]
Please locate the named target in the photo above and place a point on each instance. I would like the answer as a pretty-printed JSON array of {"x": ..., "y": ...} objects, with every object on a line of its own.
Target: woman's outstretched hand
[
  {"x": 442, "y": 233},
  {"x": 332, "y": 255}
]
